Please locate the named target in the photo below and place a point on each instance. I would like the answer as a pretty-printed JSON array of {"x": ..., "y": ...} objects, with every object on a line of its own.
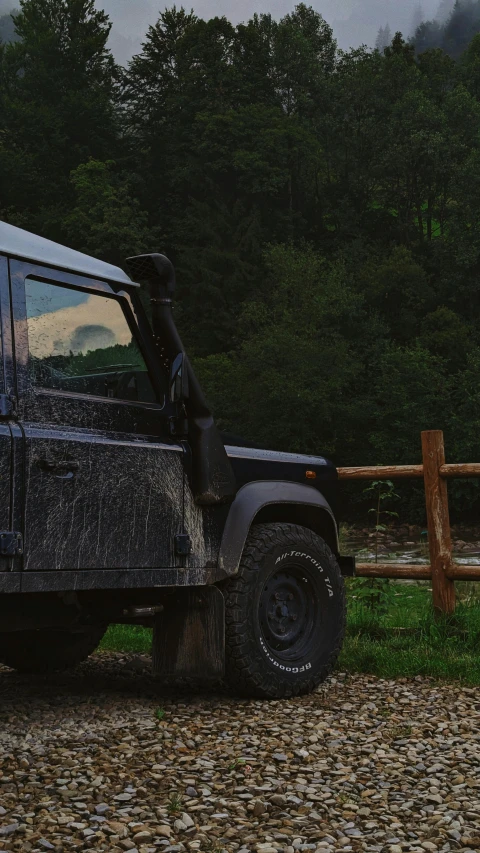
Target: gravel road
[{"x": 362, "y": 765}]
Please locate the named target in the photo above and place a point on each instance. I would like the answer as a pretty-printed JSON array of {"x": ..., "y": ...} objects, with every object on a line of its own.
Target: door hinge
[
  {"x": 7, "y": 406},
  {"x": 183, "y": 545},
  {"x": 11, "y": 543}
]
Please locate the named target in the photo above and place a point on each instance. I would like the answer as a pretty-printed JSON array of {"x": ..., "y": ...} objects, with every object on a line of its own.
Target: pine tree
[
  {"x": 384, "y": 38},
  {"x": 428, "y": 36},
  {"x": 380, "y": 40}
]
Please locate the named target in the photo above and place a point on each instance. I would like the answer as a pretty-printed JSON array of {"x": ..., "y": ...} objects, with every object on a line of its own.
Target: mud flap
[{"x": 189, "y": 635}]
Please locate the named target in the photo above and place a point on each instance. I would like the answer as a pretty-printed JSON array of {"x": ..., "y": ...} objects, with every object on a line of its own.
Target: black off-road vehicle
[{"x": 121, "y": 502}]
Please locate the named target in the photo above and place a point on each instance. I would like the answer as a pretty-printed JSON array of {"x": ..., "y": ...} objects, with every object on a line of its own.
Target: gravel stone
[
  {"x": 5, "y": 831},
  {"x": 364, "y": 764},
  {"x": 191, "y": 792},
  {"x": 143, "y": 835},
  {"x": 278, "y": 800}
]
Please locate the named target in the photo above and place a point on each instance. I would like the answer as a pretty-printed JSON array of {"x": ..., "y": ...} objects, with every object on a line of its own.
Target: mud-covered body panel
[
  {"x": 100, "y": 488},
  {"x": 118, "y": 505},
  {"x": 5, "y": 475}
]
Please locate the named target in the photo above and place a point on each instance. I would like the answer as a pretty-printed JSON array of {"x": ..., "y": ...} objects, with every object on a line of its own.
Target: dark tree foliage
[
  {"x": 57, "y": 86},
  {"x": 322, "y": 209}
]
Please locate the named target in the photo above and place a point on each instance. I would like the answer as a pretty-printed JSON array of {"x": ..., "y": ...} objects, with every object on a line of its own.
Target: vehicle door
[
  {"x": 103, "y": 480},
  {"x": 7, "y": 540}
]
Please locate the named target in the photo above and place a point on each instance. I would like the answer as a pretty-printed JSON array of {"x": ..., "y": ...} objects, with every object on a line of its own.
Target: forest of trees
[{"x": 322, "y": 210}]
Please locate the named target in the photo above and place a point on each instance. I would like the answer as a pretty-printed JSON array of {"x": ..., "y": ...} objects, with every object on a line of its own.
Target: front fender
[{"x": 250, "y": 500}]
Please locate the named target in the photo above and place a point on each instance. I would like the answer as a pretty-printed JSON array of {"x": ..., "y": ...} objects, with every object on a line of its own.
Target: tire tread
[{"x": 241, "y": 666}]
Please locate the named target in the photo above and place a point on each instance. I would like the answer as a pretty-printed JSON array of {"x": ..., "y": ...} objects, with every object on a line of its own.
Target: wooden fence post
[{"x": 439, "y": 536}]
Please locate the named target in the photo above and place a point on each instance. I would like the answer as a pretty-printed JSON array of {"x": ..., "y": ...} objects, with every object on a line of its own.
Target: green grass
[
  {"x": 127, "y": 638},
  {"x": 391, "y": 632},
  {"x": 409, "y": 656}
]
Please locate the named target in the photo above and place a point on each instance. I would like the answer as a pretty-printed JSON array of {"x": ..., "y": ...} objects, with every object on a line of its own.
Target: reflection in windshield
[
  {"x": 82, "y": 342},
  {"x": 58, "y": 327}
]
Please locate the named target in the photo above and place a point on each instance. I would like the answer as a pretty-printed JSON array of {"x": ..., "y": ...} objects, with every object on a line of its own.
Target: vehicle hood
[{"x": 279, "y": 456}]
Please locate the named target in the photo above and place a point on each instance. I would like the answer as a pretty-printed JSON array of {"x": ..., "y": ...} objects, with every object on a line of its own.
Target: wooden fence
[{"x": 442, "y": 571}]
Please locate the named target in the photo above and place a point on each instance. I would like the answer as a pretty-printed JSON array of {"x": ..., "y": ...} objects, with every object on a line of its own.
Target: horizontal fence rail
[
  {"x": 442, "y": 571},
  {"x": 390, "y": 472}
]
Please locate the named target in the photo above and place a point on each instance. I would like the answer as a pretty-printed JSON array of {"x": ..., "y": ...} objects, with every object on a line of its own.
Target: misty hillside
[
  {"x": 454, "y": 27},
  {"x": 361, "y": 24}
]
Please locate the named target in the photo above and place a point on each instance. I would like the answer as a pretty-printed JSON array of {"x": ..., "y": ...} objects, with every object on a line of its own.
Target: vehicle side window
[{"x": 81, "y": 342}]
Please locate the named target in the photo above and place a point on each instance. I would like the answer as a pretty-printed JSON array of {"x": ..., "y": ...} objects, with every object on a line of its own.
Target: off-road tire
[
  {"x": 48, "y": 650},
  {"x": 287, "y": 574}
]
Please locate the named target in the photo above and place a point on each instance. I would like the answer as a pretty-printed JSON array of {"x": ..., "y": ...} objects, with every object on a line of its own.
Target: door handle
[{"x": 56, "y": 467}]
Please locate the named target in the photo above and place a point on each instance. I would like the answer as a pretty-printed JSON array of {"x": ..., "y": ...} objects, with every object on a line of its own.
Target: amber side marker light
[{"x": 310, "y": 475}]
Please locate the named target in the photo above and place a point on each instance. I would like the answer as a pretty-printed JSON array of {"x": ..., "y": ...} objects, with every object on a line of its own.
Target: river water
[{"x": 400, "y": 547}]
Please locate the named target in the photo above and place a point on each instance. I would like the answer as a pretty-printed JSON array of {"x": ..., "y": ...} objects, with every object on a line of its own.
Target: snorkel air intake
[{"x": 213, "y": 480}]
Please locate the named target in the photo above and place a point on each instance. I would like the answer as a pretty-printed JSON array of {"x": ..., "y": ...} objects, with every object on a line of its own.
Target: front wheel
[{"x": 285, "y": 613}]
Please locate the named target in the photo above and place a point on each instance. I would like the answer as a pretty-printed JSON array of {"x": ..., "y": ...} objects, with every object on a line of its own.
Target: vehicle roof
[{"x": 23, "y": 244}]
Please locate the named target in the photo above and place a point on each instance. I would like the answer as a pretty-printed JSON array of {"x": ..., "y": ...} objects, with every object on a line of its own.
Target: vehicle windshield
[{"x": 81, "y": 342}]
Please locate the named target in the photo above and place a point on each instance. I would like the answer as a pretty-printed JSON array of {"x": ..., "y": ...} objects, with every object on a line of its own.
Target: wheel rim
[{"x": 289, "y": 608}]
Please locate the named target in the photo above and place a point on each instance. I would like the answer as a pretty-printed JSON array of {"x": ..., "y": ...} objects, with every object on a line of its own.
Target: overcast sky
[{"x": 354, "y": 22}]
